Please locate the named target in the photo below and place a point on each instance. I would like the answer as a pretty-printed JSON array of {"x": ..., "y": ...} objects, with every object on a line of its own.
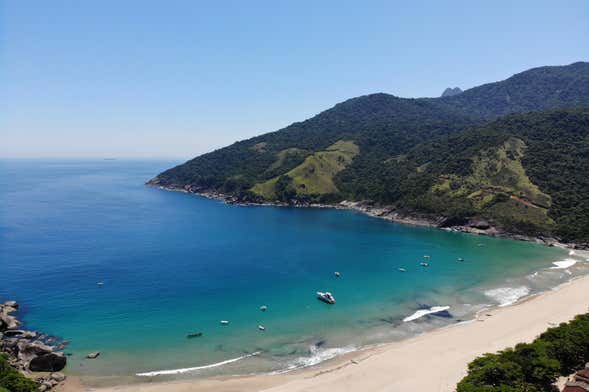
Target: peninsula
[{"x": 505, "y": 158}]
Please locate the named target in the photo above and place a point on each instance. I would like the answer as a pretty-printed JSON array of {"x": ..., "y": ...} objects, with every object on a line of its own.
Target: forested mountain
[
  {"x": 524, "y": 172},
  {"x": 450, "y": 156}
]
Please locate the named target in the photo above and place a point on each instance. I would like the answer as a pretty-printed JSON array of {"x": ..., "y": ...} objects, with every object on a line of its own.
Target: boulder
[
  {"x": 480, "y": 224},
  {"x": 11, "y": 304},
  {"x": 7, "y": 321},
  {"x": 50, "y": 362},
  {"x": 27, "y": 350},
  {"x": 57, "y": 376},
  {"x": 20, "y": 333}
]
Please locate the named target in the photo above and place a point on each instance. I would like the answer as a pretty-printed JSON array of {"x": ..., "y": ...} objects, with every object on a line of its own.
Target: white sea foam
[
  {"x": 572, "y": 252},
  {"x": 191, "y": 369},
  {"x": 562, "y": 264},
  {"x": 425, "y": 312},
  {"x": 534, "y": 275},
  {"x": 317, "y": 356},
  {"x": 507, "y": 295},
  {"x": 320, "y": 355}
]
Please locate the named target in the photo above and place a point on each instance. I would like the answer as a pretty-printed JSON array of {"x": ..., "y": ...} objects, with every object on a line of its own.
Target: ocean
[{"x": 173, "y": 263}]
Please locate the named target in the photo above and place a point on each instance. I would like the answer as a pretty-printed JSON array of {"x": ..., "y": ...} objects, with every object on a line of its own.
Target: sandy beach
[{"x": 433, "y": 361}]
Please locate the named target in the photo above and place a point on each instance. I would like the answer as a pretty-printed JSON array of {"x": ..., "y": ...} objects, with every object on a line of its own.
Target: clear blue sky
[{"x": 178, "y": 78}]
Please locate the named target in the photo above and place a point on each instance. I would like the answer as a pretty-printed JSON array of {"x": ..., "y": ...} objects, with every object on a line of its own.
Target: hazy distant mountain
[
  {"x": 402, "y": 152},
  {"x": 451, "y": 91}
]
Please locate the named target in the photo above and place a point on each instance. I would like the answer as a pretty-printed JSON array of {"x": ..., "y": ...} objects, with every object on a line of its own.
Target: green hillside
[
  {"x": 526, "y": 172},
  {"x": 313, "y": 178},
  {"x": 457, "y": 156}
]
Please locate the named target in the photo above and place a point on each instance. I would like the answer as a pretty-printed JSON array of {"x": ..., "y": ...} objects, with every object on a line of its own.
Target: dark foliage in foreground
[
  {"x": 532, "y": 367},
  {"x": 11, "y": 380}
]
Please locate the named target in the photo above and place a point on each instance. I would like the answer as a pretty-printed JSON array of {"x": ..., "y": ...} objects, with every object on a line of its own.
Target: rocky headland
[
  {"x": 36, "y": 355},
  {"x": 472, "y": 225}
]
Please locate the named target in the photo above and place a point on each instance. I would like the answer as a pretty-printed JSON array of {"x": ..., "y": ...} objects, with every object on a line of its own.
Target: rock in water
[
  {"x": 11, "y": 304},
  {"x": 8, "y": 322},
  {"x": 50, "y": 362},
  {"x": 93, "y": 355}
]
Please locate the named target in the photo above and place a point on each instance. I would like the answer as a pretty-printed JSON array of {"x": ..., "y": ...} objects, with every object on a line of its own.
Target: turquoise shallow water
[{"x": 173, "y": 263}]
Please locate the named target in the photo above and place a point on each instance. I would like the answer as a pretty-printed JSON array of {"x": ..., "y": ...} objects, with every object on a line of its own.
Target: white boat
[
  {"x": 460, "y": 259},
  {"x": 424, "y": 264},
  {"x": 337, "y": 274},
  {"x": 261, "y": 328},
  {"x": 263, "y": 308},
  {"x": 326, "y": 297},
  {"x": 401, "y": 269},
  {"x": 224, "y": 322},
  {"x": 426, "y": 257}
]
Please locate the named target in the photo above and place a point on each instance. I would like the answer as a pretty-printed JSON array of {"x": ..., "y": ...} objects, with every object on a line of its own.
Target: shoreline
[
  {"x": 388, "y": 213},
  {"x": 444, "y": 352}
]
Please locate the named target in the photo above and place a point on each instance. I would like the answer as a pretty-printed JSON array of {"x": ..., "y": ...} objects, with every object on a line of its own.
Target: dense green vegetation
[
  {"x": 457, "y": 156},
  {"x": 11, "y": 380},
  {"x": 532, "y": 367},
  {"x": 525, "y": 171},
  {"x": 533, "y": 90},
  {"x": 378, "y": 123},
  {"x": 313, "y": 178}
]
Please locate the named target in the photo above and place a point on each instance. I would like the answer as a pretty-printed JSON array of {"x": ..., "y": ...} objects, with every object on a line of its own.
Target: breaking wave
[
  {"x": 317, "y": 356},
  {"x": 566, "y": 263},
  {"x": 191, "y": 369},
  {"x": 425, "y": 312},
  {"x": 507, "y": 295}
]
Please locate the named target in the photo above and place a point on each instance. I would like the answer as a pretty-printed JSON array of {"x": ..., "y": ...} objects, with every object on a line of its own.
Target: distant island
[{"x": 505, "y": 158}]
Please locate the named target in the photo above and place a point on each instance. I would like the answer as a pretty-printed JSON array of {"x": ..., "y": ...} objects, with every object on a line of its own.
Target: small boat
[
  {"x": 337, "y": 274},
  {"x": 261, "y": 328},
  {"x": 224, "y": 322},
  {"x": 326, "y": 297},
  {"x": 263, "y": 308},
  {"x": 100, "y": 283},
  {"x": 401, "y": 269},
  {"x": 194, "y": 335},
  {"x": 424, "y": 264},
  {"x": 460, "y": 259},
  {"x": 426, "y": 257}
]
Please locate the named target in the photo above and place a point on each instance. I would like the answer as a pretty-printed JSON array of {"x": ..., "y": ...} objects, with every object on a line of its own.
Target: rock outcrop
[
  {"x": 50, "y": 362},
  {"x": 30, "y": 351}
]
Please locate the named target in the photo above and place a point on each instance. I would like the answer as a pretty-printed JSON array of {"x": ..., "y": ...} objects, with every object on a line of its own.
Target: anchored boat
[{"x": 326, "y": 297}]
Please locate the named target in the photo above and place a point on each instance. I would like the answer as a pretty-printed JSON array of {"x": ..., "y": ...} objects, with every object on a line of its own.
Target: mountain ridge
[{"x": 388, "y": 132}]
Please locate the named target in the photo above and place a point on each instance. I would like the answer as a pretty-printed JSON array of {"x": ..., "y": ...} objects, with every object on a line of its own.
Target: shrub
[{"x": 11, "y": 380}]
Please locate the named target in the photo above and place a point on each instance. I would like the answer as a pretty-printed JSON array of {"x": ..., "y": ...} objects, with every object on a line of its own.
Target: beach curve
[{"x": 398, "y": 366}]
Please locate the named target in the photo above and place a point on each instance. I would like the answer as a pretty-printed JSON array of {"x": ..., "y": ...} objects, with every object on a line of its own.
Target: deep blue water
[{"x": 174, "y": 263}]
